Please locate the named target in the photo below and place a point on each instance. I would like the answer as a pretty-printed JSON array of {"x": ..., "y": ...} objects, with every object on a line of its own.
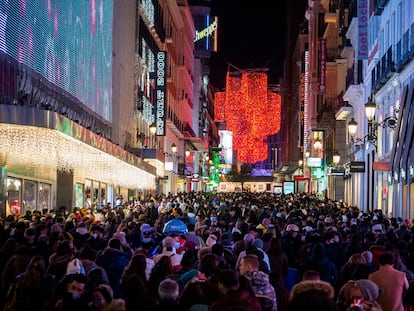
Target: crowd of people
[{"x": 199, "y": 251}]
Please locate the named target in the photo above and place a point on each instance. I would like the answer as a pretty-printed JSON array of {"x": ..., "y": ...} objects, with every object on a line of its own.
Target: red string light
[{"x": 251, "y": 113}]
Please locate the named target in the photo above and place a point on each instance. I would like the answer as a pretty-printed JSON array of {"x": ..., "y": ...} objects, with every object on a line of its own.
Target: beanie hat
[
  {"x": 145, "y": 228},
  {"x": 211, "y": 240},
  {"x": 168, "y": 242},
  {"x": 368, "y": 256},
  {"x": 369, "y": 289},
  {"x": 258, "y": 243},
  {"x": 75, "y": 266}
]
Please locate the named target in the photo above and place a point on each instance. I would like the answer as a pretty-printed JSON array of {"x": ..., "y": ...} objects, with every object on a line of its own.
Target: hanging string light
[
  {"x": 46, "y": 151},
  {"x": 251, "y": 113}
]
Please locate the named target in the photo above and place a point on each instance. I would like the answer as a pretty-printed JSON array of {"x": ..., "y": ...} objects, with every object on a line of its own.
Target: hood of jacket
[{"x": 305, "y": 286}]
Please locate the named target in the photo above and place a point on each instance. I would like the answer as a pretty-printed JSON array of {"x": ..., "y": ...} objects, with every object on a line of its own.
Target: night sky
[{"x": 251, "y": 35}]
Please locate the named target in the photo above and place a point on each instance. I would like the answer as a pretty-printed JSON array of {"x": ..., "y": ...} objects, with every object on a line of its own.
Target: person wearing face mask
[
  {"x": 169, "y": 249},
  {"x": 74, "y": 296},
  {"x": 97, "y": 240}
]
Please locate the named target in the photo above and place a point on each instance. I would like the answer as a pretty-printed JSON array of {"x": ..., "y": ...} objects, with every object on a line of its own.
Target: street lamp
[
  {"x": 370, "y": 108},
  {"x": 317, "y": 145},
  {"x": 352, "y": 127},
  {"x": 173, "y": 148},
  {"x": 153, "y": 128},
  {"x": 336, "y": 157}
]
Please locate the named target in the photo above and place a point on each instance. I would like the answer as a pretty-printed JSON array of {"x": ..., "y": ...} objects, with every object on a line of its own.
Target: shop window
[
  {"x": 44, "y": 197},
  {"x": 79, "y": 195},
  {"x": 30, "y": 196},
  {"x": 95, "y": 197},
  {"x": 103, "y": 195},
  {"x": 14, "y": 187},
  {"x": 88, "y": 193}
]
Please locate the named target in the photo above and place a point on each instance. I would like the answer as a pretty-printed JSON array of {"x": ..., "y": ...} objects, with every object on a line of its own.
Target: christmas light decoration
[
  {"x": 47, "y": 151},
  {"x": 251, "y": 112}
]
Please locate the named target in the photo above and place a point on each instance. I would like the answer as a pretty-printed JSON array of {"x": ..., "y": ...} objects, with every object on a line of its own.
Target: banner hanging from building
[
  {"x": 322, "y": 66},
  {"x": 161, "y": 93},
  {"x": 363, "y": 16}
]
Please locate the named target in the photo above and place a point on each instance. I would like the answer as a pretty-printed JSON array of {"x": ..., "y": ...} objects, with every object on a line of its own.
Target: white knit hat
[
  {"x": 75, "y": 266},
  {"x": 211, "y": 240}
]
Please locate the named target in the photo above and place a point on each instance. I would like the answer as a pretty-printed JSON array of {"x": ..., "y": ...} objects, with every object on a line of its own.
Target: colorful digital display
[{"x": 67, "y": 42}]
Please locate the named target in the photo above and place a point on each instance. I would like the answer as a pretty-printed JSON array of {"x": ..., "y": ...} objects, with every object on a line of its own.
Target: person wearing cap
[
  {"x": 364, "y": 294},
  {"x": 169, "y": 249},
  {"x": 259, "y": 281},
  {"x": 393, "y": 282}
]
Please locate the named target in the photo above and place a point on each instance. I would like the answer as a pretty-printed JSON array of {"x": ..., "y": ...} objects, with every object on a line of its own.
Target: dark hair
[
  {"x": 229, "y": 278},
  {"x": 114, "y": 243},
  {"x": 78, "y": 277},
  {"x": 105, "y": 293},
  {"x": 209, "y": 264},
  {"x": 386, "y": 258},
  {"x": 87, "y": 252}
]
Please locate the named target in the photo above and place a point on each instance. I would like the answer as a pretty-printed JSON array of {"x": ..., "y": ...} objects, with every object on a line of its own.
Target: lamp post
[
  {"x": 336, "y": 158},
  {"x": 372, "y": 138}
]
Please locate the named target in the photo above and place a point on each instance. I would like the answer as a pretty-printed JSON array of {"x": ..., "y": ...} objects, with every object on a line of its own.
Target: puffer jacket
[{"x": 261, "y": 286}]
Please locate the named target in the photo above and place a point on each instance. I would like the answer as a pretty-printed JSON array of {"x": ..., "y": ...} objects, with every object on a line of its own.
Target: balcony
[
  {"x": 383, "y": 70},
  {"x": 379, "y": 6}
]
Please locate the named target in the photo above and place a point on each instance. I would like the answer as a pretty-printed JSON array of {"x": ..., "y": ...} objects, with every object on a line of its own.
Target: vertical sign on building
[
  {"x": 306, "y": 108},
  {"x": 363, "y": 15},
  {"x": 322, "y": 66},
  {"x": 161, "y": 92}
]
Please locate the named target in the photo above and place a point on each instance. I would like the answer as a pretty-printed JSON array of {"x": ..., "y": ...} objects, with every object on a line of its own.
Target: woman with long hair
[{"x": 33, "y": 287}]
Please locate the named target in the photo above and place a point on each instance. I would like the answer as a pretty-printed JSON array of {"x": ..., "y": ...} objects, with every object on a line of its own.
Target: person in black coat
[{"x": 114, "y": 260}]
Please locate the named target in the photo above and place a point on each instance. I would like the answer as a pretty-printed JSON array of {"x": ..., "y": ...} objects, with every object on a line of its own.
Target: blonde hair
[
  {"x": 115, "y": 305},
  {"x": 357, "y": 259}
]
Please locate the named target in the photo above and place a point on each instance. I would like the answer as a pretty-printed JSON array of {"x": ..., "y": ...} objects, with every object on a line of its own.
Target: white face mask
[
  {"x": 76, "y": 294},
  {"x": 94, "y": 235}
]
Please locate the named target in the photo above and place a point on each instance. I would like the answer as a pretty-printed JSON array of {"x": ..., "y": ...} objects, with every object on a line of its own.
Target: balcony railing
[{"x": 384, "y": 69}]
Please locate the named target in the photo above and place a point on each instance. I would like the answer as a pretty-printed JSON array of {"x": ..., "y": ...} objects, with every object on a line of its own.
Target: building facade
[{"x": 79, "y": 93}]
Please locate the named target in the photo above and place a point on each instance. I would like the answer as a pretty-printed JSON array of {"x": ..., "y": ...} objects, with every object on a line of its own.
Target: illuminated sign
[
  {"x": 322, "y": 66},
  {"x": 206, "y": 32},
  {"x": 161, "y": 92},
  {"x": 363, "y": 15},
  {"x": 357, "y": 167},
  {"x": 314, "y": 162}
]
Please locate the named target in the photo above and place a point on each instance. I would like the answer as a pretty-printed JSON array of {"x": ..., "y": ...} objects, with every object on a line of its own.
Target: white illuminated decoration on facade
[
  {"x": 50, "y": 150},
  {"x": 148, "y": 8}
]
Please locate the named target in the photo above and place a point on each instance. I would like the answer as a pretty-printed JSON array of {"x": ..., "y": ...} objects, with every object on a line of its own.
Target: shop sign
[
  {"x": 161, "y": 92},
  {"x": 357, "y": 167},
  {"x": 381, "y": 165}
]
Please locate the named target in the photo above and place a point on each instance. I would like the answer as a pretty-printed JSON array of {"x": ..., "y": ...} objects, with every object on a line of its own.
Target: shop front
[{"x": 48, "y": 161}]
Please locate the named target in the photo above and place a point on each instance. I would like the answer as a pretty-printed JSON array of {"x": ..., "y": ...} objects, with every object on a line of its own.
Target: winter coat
[
  {"x": 312, "y": 296},
  {"x": 262, "y": 287},
  {"x": 394, "y": 284},
  {"x": 114, "y": 262},
  {"x": 237, "y": 299}
]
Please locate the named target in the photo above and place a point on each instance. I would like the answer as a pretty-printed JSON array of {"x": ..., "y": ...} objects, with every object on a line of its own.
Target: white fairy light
[{"x": 50, "y": 151}]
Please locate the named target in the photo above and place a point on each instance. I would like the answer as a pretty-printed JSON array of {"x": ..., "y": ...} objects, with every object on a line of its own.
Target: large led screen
[{"x": 67, "y": 42}]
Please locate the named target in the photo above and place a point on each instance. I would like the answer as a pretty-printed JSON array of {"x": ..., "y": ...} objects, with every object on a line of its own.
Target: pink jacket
[{"x": 394, "y": 284}]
